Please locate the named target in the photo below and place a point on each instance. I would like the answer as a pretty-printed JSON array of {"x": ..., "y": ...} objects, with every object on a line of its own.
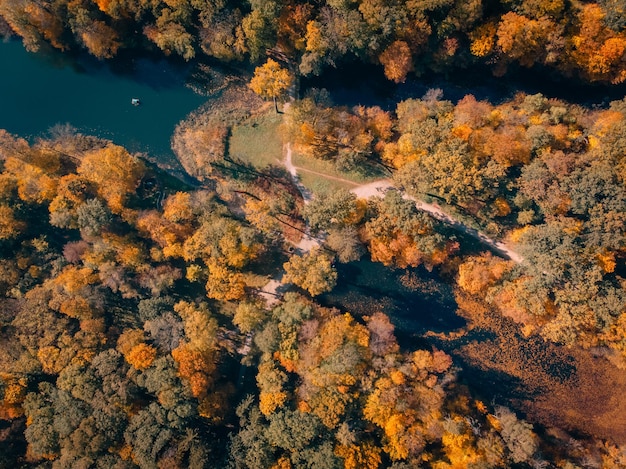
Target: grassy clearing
[
  {"x": 328, "y": 167},
  {"x": 334, "y": 178},
  {"x": 258, "y": 140},
  {"x": 321, "y": 185}
]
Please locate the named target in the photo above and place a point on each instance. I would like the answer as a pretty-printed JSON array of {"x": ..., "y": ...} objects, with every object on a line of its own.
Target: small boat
[{"x": 135, "y": 101}]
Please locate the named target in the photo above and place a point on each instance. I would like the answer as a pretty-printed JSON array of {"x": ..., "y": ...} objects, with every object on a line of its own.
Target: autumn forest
[{"x": 198, "y": 317}]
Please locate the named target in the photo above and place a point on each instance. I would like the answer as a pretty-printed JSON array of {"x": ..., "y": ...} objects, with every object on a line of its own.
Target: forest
[
  {"x": 136, "y": 326},
  {"x": 579, "y": 39}
]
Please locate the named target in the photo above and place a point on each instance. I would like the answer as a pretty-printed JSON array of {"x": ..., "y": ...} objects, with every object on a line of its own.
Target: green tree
[
  {"x": 292, "y": 430},
  {"x": 518, "y": 435},
  {"x": 93, "y": 216},
  {"x": 249, "y": 447},
  {"x": 313, "y": 271},
  {"x": 346, "y": 244},
  {"x": 334, "y": 209}
]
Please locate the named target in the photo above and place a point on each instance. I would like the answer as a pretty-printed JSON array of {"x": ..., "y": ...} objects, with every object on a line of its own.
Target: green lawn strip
[
  {"x": 328, "y": 167},
  {"x": 317, "y": 183},
  {"x": 320, "y": 185},
  {"x": 257, "y": 140}
]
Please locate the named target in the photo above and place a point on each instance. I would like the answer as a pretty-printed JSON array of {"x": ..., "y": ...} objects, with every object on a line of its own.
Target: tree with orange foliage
[
  {"x": 596, "y": 49},
  {"x": 508, "y": 146},
  {"x": 292, "y": 25},
  {"x": 13, "y": 397},
  {"x": 476, "y": 274},
  {"x": 361, "y": 456},
  {"x": 397, "y": 61},
  {"x": 169, "y": 235},
  {"x": 196, "y": 367},
  {"x": 141, "y": 356},
  {"x": 35, "y": 22},
  {"x": 399, "y": 235},
  {"x": 100, "y": 39},
  {"x": 527, "y": 40},
  {"x": 73, "y": 279}
]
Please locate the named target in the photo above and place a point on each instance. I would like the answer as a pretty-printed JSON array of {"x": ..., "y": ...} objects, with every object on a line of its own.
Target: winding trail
[
  {"x": 378, "y": 189},
  {"x": 273, "y": 290}
]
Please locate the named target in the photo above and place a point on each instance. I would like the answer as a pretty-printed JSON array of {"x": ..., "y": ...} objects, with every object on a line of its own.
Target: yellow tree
[
  {"x": 114, "y": 171},
  {"x": 34, "y": 184},
  {"x": 10, "y": 226},
  {"x": 271, "y": 381},
  {"x": 313, "y": 271},
  {"x": 224, "y": 283},
  {"x": 270, "y": 80}
]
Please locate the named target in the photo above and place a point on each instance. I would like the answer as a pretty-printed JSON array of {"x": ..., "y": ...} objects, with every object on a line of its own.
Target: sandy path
[
  {"x": 378, "y": 188},
  {"x": 271, "y": 291},
  {"x": 287, "y": 161}
]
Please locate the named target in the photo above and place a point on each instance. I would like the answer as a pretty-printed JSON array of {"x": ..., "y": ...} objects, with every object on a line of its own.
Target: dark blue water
[
  {"x": 365, "y": 84},
  {"x": 38, "y": 91}
]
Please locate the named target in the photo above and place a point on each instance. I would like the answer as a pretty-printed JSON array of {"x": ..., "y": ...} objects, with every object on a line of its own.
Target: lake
[{"x": 40, "y": 90}]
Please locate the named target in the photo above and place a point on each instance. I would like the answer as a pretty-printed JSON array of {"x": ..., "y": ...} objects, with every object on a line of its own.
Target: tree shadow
[{"x": 416, "y": 301}]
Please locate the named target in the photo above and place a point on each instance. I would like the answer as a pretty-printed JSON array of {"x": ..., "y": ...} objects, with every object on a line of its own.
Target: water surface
[{"x": 41, "y": 90}]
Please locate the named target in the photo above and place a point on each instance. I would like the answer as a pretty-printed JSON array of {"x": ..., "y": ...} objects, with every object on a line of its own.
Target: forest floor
[{"x": 567, "y": 388}]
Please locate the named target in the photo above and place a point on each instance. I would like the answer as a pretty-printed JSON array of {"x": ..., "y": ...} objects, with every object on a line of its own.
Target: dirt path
[
  {"x": 378, "y": 188},
  {"x": 271, "y": 291},
  {"x": 287, "y": 161}
]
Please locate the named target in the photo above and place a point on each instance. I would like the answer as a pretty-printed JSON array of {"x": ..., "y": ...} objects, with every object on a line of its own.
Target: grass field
[
  {"x": 310, "y": 171},
  {"x": 258, "y": 140},
  {"x": 321, "y": 185}
]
